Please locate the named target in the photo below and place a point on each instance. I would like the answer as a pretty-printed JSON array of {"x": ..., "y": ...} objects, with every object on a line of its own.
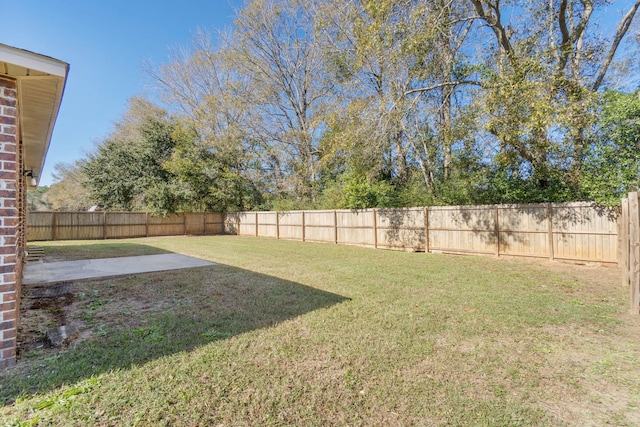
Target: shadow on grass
[{"x": 137, "y": 319}]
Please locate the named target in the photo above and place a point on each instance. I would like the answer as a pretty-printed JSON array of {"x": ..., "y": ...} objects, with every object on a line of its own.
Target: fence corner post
[
  {"x": 256, "y": 218},
  {"x": 634, "y": 253},
  {"x": 277, "y": 225}
]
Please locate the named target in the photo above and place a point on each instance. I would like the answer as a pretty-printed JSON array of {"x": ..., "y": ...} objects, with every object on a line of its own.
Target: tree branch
[
  {"x": 440, "y": 85},
  {"x": 571, "y": 37},
  {"x": 493, "y": 20},
  {"x": 622, "y": 30},
  {"x": 562, "y": 21}
]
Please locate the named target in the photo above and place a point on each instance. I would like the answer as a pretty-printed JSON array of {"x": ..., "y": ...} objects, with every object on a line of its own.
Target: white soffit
[{"x": 41, "y": 82}]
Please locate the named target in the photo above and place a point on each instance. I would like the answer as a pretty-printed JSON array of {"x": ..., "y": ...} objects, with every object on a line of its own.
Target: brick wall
[{"x": 11, "y": 194}]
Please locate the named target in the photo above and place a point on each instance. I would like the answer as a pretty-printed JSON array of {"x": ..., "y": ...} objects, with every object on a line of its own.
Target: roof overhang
[{"x": 41, "y": 82}]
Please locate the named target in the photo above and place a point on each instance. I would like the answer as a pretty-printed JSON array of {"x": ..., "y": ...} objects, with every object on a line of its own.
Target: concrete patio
[{"x": 43, "y": 273}]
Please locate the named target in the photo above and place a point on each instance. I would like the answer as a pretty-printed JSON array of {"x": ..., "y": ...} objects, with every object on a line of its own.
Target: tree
[
  {"x": 68, "y": 192},
  {"x": 208, "y": 179},
  {"x": 126, "y": 171},
  {"x": 541, "y": 78},
  {"x": 612, "y": 168},
  {"x": 273, "y": 46},
  {"x": 404, "y": 87},
  {"x": 218, "y": 116},
  {"x": 37, "y": 199},
  {"x": 363, "y": 45},
  {"x": 369, "y": 102}
]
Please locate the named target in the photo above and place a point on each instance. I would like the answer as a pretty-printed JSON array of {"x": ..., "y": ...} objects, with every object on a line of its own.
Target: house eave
[{"x": 40, "y": 81}]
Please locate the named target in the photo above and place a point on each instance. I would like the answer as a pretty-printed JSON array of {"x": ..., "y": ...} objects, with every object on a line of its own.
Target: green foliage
[
  {"x": 503, "y": 187},
  {"x": 126, "y": 172},
  {"x": 208, "y": 175},
  {"x": 160, "y": 164},
  {"x": 612, "y": 168},
  {"x": 411, "y": 193},
  {"x": 359, "y": 192},
  {"x": 69, "y": 192},
  {"x": 37, "y": 199}
]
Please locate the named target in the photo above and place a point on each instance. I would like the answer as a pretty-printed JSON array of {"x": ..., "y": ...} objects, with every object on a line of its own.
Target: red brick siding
[{"x": 11, "y": 237}]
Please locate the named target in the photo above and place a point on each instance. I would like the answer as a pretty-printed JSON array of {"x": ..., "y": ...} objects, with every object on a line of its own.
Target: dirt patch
[
  {"x": 92, "y": 307},
  {"x": 36, "y": 317}
]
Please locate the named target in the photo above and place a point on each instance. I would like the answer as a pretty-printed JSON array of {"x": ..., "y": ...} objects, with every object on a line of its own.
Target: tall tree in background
[
  {"x": 363, "y": 46},
  {"x": 158, "y": 163},
  {"x": 126, "y": 171},
  {"x": 542, "y": 76},
  {"x": 612, "y": 166},
  {"x": 405, "y": 83},
  {"x": 273, "y": 46},
  {"x": 37, "y": 199},
  {"x": 69, "y": 193},
  {"x": 444, "y": 79},
  {"x": 214, "y": 144}
]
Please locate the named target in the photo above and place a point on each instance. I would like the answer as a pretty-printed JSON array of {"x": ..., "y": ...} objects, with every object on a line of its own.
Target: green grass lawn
[{"x": 290, "y": 333}]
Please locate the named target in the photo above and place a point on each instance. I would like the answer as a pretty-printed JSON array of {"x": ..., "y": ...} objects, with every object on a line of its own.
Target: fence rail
[{"x": 569, "y": 231}]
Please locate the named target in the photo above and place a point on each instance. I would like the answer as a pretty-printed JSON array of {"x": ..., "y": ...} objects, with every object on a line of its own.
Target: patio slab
[{"x": 53, "y": 272}]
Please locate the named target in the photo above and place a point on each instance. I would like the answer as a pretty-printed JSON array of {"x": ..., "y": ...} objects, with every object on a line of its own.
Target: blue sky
[{"x": 105, "y": 43}]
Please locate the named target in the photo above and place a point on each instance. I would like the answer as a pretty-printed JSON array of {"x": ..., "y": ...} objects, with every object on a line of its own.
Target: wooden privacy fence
[
  {"x": 572, "y": 231},
  {"x": 567, "y": 231},
  {"x": 630, "y": 249},
  {"x": 119, "y": 225}
]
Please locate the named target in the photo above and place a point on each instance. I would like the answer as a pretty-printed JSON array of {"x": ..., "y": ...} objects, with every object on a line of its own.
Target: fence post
[
  {"x": 146, "y": 224},
  {"x": 634, "y": 253},
  {"x": 375, "y": 228},
  {"x": 277, "y": 225},
  {"x": 335, "y": 227},
  {"x": 550, "y": 230},
  {"x": 256, "y": 223},
  {"x": 426, "y": 230},
  {"x": 623, "y": 243},
  {"x": 497, "y": 231},
  {"x": 303, "y": 227},
  {"x": 104, "y": 225},
  {"x": 54, "y": 220}
]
